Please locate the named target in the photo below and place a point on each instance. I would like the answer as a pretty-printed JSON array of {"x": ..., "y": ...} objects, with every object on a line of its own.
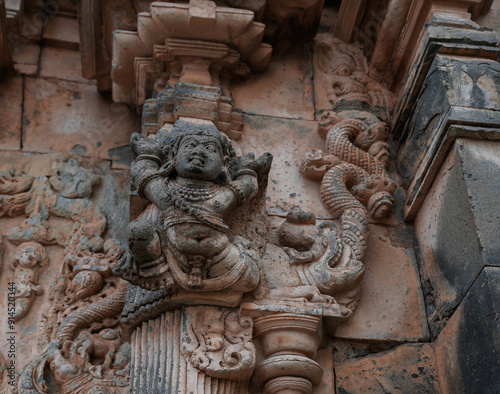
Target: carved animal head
[
  {"x": 71, "y": 180},
  {"x": 375, "y": 132},
  {"x": 379, "y": 205},
  {"x": 335, "y": 57},
  {"x": 86, "y": 283}
]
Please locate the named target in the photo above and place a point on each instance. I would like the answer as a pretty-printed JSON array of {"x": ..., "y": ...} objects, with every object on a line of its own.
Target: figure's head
[
  {"x": 198, "y": 151},
  {"x": 70, "y": 179},
  {"x": 380, "y": 204},
  {"x": 199, "y": 157},
  {"x": 29, "y": 254}
]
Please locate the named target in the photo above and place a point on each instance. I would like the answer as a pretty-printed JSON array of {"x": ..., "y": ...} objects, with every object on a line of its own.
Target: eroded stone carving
[
  {"x": 62, "y": 193},
  {"x": 194, "y": 181},
  {"x": 84, "y": 349},
  {"x": 326, "y": 258},
  {"x": 218, "y": 342},
  {"x": 14, "y": 191},
  {"x": 189, "y": 78},
  {"x": 344, "y": 75},
  {"x": 181, "y": 240},
  {"x": 29, "y": 259}
]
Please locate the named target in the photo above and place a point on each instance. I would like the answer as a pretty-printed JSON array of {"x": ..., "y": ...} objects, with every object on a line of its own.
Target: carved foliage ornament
[
  {"x": 80, "y": 332},
  {"x": 218, "y": 342}
]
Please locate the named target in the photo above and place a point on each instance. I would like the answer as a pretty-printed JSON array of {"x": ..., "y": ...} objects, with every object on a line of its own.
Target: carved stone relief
[
  {"x": 79, "y": 331},
  {"x": 202, "y": 249},
  {"x": 353, "y": 171},
  {"x": 342, "y": 78},
  {"x": 180, "y": 242},
  {"x": 196, "y": 244},
  {"x": 234, "y": 27},
  {"x": 30, "y": 257}
]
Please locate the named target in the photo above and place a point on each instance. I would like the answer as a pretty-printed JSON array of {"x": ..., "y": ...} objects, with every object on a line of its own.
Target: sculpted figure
[
  {"x": 63, "y": 193},
  {"x": 30, "y": 257},
  {"x": 182, "y": 240}
]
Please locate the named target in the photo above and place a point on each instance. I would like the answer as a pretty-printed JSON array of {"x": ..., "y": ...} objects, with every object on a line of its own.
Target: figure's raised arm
[
  {"x": 247, "y": 173},
  {"x": 145, "y": 173}
]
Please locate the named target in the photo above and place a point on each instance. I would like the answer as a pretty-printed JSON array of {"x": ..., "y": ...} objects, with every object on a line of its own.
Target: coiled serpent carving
[{"x": 352, "y": 172}]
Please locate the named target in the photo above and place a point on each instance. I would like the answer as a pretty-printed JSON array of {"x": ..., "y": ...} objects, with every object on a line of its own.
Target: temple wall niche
[{"x": 57, "y": 132}]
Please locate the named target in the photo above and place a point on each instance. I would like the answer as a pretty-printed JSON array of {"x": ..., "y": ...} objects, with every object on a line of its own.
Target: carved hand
[
  {"x": 145, "y": 146},
  {"x": 261, "y": 166}
]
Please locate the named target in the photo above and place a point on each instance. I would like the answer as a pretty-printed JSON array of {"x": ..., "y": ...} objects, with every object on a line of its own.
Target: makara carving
[
  {"x": 84, "y": 351},
  {"x": 343, "y": 74}
]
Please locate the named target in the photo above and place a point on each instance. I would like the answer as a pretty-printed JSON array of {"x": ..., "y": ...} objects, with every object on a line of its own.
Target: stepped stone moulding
[
  {"x": 233, "y": 27},
  {"x": 189, "y": 78}
]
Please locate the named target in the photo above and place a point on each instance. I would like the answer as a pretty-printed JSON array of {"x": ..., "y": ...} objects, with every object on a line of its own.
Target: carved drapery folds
[{"x": 79, "y": 332}]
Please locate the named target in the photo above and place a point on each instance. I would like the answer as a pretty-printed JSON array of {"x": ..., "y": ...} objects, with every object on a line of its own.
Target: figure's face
[
  {"x": 27, "y": 257},
  {"x": 199, "y": 157}
]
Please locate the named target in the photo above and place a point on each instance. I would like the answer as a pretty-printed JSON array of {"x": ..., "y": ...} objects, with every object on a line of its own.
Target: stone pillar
[
  {"x": 187, "y": 350},
  {"x": 458, "y": 230},
  {"x": 448, "y": 158}
]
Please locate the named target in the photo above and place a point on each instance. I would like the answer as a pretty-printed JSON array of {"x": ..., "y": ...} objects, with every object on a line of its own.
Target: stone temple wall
[{"x": 426, "y": 320}]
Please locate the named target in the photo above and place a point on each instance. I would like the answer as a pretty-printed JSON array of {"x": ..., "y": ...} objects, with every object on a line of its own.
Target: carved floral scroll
[{"x": 80, "y": 333}]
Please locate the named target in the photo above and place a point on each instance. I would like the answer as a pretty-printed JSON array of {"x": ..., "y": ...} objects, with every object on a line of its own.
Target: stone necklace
[{"x": 192, "y": 193}]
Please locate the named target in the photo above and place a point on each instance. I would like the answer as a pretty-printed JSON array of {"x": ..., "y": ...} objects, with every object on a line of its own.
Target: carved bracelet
[
  {"x": 141, "y": 184},
  {"x": 245, "y": 171},
  {"x": 148, "y": 157}
]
